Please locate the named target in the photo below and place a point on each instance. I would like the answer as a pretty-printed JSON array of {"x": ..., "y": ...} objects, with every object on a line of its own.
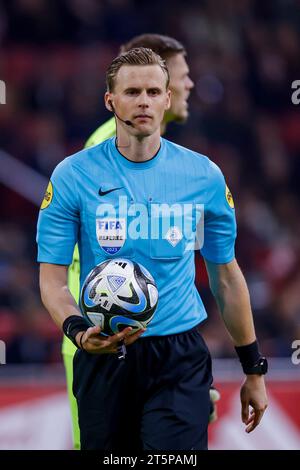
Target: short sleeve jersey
[{"x": 155, "y": 212}]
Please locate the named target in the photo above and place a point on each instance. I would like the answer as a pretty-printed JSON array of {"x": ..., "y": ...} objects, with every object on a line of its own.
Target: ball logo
[
  {"x": 111, "y": 234},
  {"x": 115, "y": 282},
  {"x": 48, "y": 196}
]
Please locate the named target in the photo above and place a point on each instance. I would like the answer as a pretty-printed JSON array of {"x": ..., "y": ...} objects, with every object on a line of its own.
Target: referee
[
  {"x": 158, "y": 398},
  {"x": 173, "y": 52}
]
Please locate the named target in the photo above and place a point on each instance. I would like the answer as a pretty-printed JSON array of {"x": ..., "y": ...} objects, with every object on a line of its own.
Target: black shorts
[{"x": 157, "y": 398}]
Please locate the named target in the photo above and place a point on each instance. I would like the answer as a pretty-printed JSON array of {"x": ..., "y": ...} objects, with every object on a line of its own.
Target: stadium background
[{"x": 243, "y": 56}]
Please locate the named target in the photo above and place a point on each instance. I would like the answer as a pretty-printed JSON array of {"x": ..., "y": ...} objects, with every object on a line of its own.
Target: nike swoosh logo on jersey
[{"x": 102, "y": 193}]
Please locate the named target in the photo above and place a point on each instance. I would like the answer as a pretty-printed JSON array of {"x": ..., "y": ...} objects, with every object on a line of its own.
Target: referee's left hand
[
  {"x": 94, "y": 343},
  {"x": 253, "y": 393}
]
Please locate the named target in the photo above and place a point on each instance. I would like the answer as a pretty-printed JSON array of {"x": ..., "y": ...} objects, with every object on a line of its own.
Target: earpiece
[{"x": 127, "y": 122}]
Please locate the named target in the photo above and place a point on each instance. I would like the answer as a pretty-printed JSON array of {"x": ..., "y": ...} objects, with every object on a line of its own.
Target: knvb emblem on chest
[
  {"x": 111, "y": 234},
  {"x": 174, "y": 236}
]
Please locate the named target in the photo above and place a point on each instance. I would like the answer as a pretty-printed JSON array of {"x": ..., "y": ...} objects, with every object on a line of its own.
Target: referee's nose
[{"x": 143, "y": 99}]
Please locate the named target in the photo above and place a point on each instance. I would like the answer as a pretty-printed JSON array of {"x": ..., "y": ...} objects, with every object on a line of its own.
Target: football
[{"x": 119, "y": 293}]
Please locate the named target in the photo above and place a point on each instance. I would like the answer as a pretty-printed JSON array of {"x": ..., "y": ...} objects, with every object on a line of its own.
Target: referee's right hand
[{"x": 92, "y": 342}]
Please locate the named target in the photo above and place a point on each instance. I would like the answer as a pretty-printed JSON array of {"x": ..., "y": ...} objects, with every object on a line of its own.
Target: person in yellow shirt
[{"x": 173, "y": 52}]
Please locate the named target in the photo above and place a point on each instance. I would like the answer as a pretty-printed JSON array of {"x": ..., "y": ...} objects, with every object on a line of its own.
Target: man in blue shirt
[{"x": 158, "y": 398}]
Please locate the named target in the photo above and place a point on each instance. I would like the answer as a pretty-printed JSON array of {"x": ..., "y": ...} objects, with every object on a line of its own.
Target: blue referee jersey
[{"x": 155, "y": 212}]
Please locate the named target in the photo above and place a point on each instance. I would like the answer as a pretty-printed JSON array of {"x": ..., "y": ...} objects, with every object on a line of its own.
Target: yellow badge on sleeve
[
  {"x": 229, "y": 197},
  {"x": 48, "y": 196}
]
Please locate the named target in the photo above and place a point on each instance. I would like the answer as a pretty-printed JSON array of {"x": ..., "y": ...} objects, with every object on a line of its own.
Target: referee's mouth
[{"x": 142, "y": 116}]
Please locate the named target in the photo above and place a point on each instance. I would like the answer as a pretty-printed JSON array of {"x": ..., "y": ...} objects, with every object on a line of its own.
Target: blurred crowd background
[{"x": 243, "y": 56}]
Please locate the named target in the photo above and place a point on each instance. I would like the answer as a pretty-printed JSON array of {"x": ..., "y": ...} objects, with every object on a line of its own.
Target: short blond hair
[{"x": 136, "y": 56}]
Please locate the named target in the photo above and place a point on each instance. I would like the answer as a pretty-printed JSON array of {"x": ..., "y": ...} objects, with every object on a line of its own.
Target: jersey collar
[{"x": 136, "y": 165}]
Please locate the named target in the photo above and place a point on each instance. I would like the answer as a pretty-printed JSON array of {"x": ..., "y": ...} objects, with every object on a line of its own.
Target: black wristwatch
[{"x": 260, "y": 368}]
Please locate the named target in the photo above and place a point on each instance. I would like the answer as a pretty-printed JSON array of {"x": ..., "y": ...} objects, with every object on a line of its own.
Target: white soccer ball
[{"x": 119, "y": 293}]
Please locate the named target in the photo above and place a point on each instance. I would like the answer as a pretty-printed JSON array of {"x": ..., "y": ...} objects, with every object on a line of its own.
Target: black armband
[
  {"x": 251, "y": 359},
  {"x": 73, "y": 325}
]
